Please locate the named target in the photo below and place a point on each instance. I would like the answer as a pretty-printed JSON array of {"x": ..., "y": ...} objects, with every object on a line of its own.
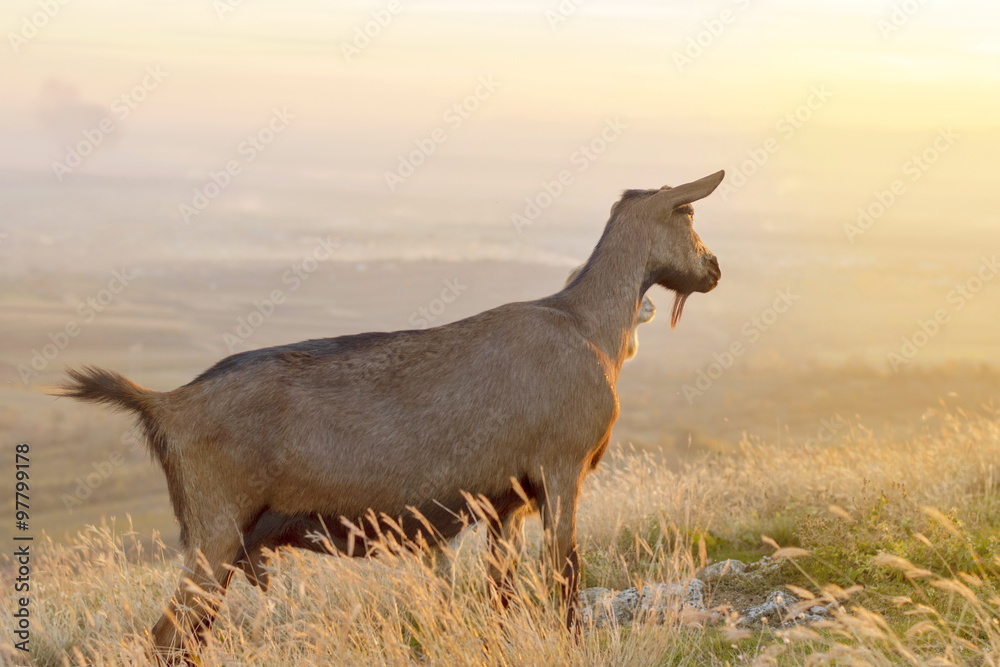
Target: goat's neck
[{"x": 608, "y": 294}]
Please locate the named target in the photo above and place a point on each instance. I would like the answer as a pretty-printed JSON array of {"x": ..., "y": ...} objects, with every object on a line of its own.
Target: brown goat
[
  {"x": 309, "y": 532},
  {"x": 395, "y": 433}
]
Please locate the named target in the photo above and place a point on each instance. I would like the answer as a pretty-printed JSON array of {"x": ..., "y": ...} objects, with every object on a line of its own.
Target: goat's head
[
  {"x": 678, "y": 260},
  {"x": 647, "y": 311}
]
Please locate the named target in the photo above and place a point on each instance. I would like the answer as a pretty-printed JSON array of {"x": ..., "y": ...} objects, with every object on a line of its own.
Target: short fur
[
  {"x": 273, "y": 531},
  {"x": 395, "y": 432}
]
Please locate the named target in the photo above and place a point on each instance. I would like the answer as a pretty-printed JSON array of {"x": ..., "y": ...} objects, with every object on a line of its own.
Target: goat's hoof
[{"x": 259, "y": 578}]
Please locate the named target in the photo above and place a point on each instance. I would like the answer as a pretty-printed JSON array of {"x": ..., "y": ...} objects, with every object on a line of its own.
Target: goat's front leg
[
  {"x": 273, "y": 531},
  {"x": 505, "y": 542},
  {"x": 558, "y": 509}
]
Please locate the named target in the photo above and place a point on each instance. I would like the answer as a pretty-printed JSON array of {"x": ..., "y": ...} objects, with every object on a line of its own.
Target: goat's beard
[{"x": 675, "y": 312}]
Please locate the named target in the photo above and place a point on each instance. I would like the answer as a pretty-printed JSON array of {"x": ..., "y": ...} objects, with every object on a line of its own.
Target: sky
[
  {"x": 815, "y": 108},
  {"x": 859, "y": 138}
]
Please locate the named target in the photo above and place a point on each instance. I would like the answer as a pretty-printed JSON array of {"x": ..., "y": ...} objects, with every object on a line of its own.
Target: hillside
[{"x": 897, "y": 537}]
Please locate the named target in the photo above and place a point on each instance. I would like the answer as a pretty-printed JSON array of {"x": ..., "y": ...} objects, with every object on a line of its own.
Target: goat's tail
[{"x": 97, "y": 385}]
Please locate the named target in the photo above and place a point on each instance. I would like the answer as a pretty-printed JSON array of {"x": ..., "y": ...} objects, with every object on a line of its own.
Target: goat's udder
[{"x": 675, "y": 312}]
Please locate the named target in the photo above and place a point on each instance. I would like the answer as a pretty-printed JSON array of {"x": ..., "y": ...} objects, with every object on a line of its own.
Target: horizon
[{"x": 786, "y": 98}]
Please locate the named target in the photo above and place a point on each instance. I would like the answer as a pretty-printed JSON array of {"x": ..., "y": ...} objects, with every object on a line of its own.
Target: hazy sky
[
  {"x": 428, "y": 135},
  {"x": 697, "y": 86}
]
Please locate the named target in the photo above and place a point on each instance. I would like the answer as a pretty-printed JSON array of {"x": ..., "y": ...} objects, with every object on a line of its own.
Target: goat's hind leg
[{"x": 193, "y": 607}]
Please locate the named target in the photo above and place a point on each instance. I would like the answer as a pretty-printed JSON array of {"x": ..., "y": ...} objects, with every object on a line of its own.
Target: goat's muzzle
[{"x": 713, "y": 271}]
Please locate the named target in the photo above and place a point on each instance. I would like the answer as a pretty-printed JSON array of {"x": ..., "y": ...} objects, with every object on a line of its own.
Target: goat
[
  {"x": 409, "y": 430},
  {"x": 646, "y": 314},
  {"x": 297, "y": 533}
]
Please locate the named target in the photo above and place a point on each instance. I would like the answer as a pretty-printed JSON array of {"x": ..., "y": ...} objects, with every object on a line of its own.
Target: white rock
[
  {"x": 722, "y": 570},
  {"x": 774, "y": 609},
  {"x": 685, "y": 601},
  {"x": 765, "y": 565},
  {"x": 657, "y": 602}
]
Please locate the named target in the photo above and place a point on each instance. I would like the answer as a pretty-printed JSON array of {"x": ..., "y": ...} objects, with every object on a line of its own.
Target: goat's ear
[{"x": 690, "y": 192}]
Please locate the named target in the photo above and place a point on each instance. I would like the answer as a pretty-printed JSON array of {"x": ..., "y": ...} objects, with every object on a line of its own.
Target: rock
[
  {"x": 685, "y": 601},
  {"x": 659, "y": 600},
  {"x": 774, "y": 609},
  {"x": 624, "y": 606},
  {"x": 657, "y": 603},
  {"x": 777, "y": 608},
  {"x": 608, "y": 607},
  {"x": 766, "y": 565},
  {"x": 600, "y": 605},
  {"x": 810, "y": 615},
  {"x": 722, "y": 570}
]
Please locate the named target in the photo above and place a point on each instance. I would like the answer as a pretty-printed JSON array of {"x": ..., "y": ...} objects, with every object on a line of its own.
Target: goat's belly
[
  {"x": 350, "y": 520},
  {"x": 298, "y": 494}
]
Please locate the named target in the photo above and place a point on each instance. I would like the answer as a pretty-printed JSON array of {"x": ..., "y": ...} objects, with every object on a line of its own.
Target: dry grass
[{"x": 915, "y": 585}]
